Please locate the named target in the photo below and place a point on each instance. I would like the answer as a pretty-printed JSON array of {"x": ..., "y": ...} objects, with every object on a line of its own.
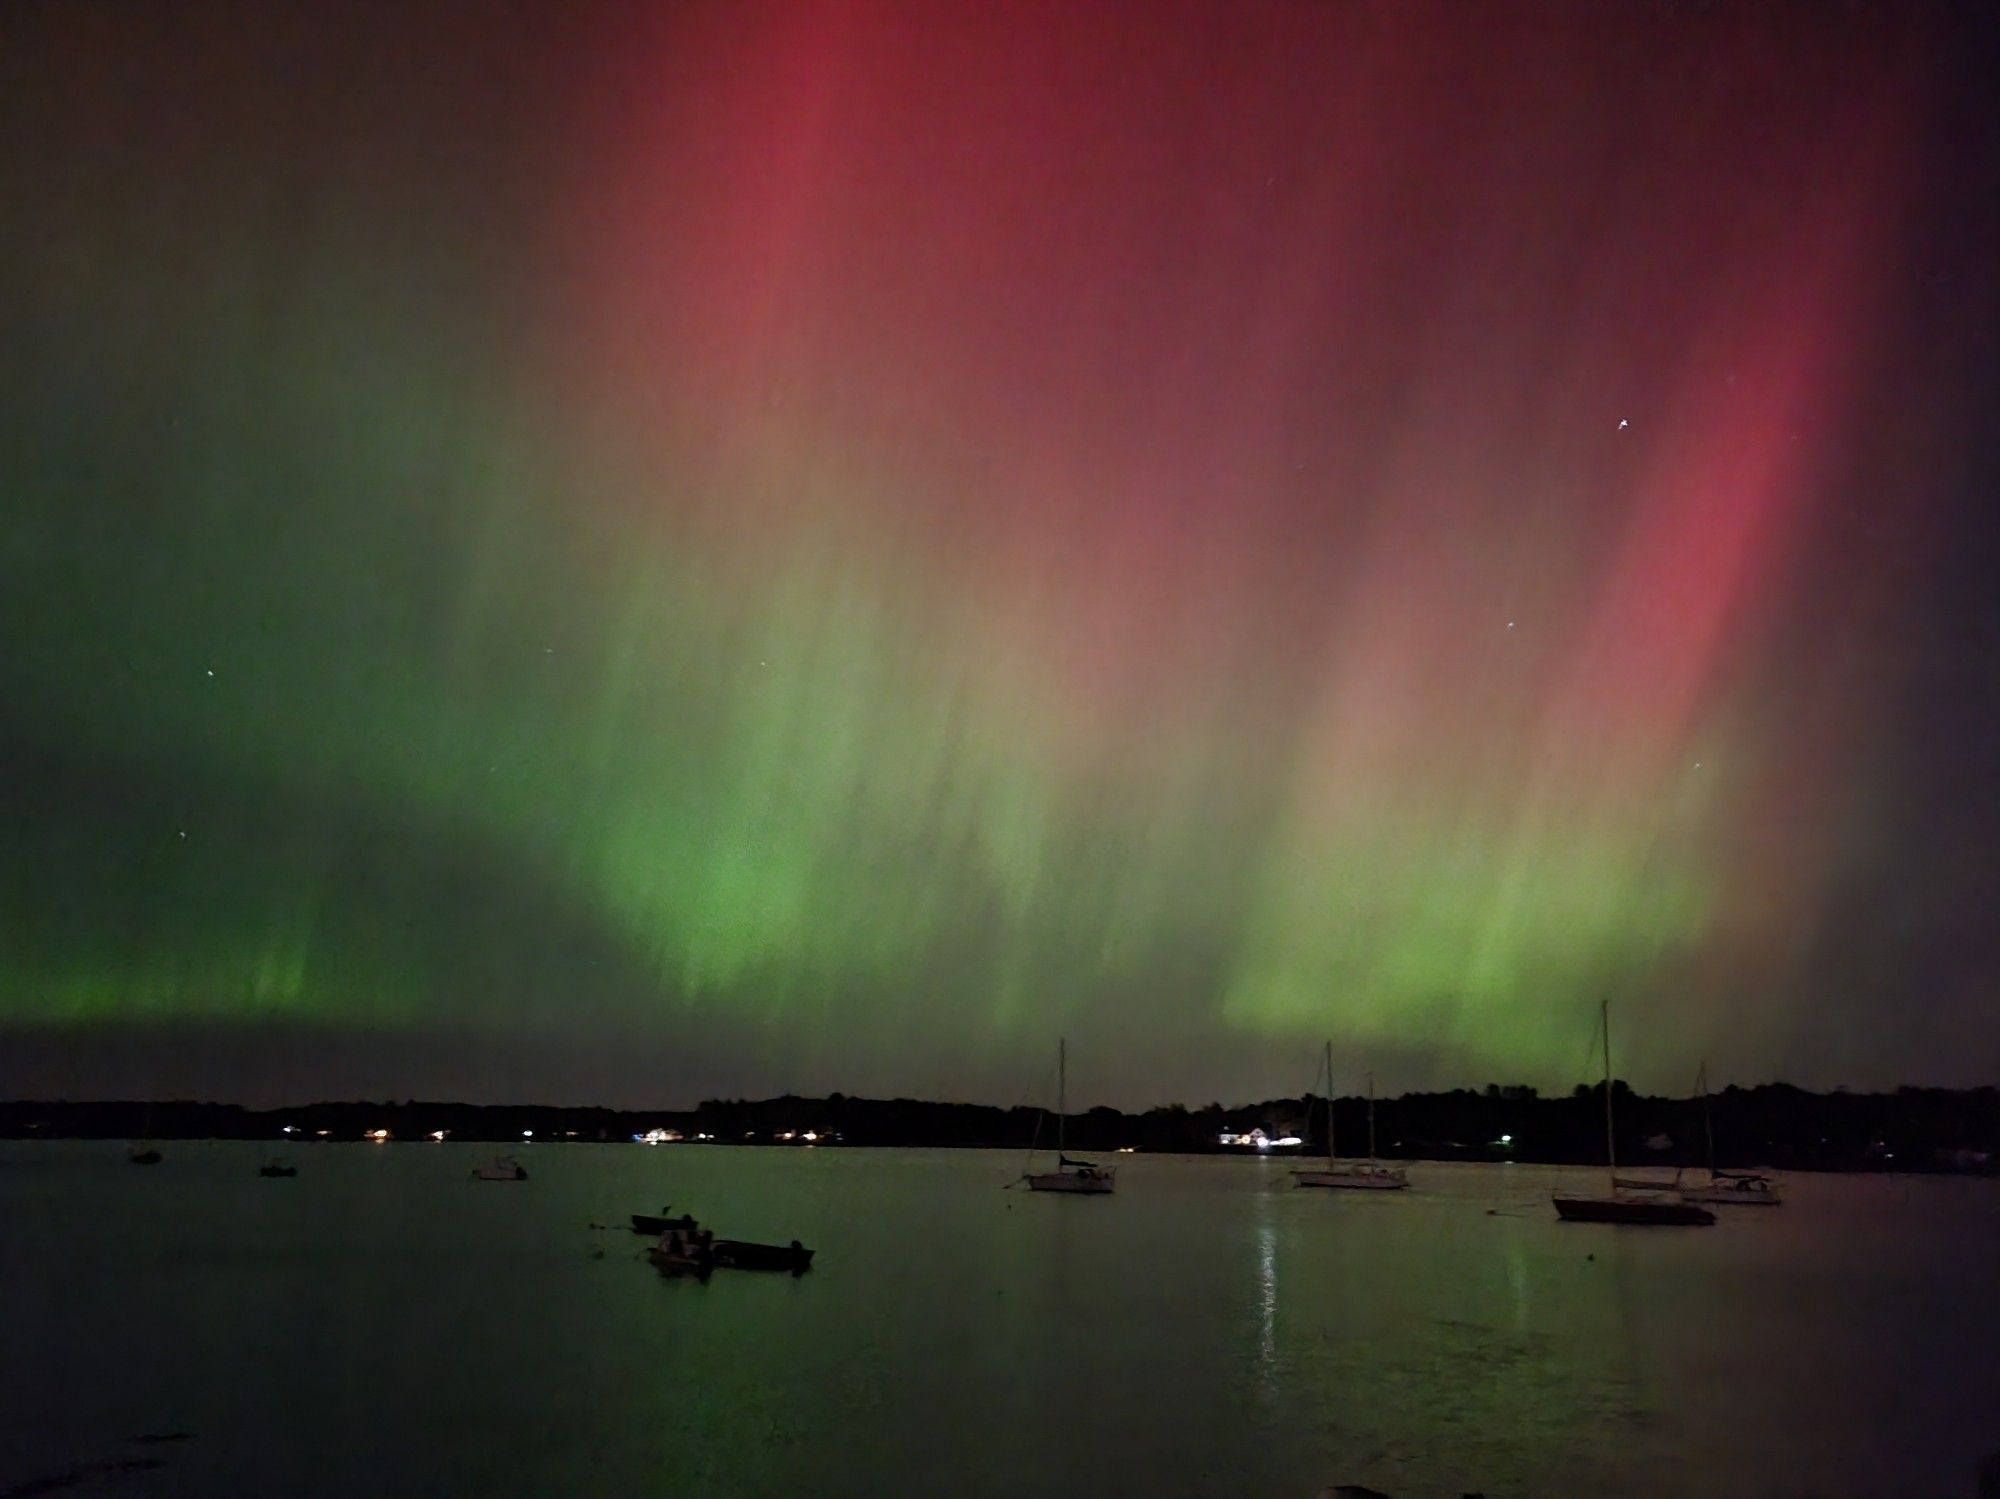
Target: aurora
[{"x": 606, "y": 553}]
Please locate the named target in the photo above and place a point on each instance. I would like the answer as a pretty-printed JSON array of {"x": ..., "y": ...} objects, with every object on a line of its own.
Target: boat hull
[
  {"x": 655, "y": 1224},
  {"x": 1643, "y": 1184},
  {"x": 1734, "y": 1197},
  {"x": 1657, "y": 1212},
  {"x": 739, "y": 1254},
  {"x": 1073, "y": 1182},
  {"x": 1385, "y": 1179}
]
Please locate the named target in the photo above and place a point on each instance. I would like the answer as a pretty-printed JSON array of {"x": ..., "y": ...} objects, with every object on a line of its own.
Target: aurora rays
[{"x": 624, "y": 551}]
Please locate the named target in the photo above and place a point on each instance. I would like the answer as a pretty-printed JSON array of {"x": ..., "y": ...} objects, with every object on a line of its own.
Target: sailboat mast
[
  {"x": 1371, "y": 1116},
  {"x": 1062, "y": 1090},
  {"x": 1707, "y": 1117},
  {"x": 1327, "y": 1063},
  {"x": 1610, "y": 1134}
]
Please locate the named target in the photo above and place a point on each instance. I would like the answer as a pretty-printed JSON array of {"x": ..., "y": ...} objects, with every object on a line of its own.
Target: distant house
[{"x": 1257, "y": 1138}]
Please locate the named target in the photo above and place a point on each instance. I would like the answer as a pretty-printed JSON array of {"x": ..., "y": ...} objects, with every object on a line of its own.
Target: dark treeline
[{"x": 1912, "y": 1129}]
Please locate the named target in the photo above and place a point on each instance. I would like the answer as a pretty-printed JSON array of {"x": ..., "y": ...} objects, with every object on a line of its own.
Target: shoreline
[{"x": 1773, "y": 1126}]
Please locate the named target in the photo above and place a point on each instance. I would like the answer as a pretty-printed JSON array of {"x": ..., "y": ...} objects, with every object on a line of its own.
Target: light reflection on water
[
  {"x": 1267, "y": 1305},
  {"x": 380, "y": 1326}
]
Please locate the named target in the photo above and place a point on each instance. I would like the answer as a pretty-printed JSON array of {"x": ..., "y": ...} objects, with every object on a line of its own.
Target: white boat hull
[
  {"x": 1072, "y": 1181},
  {"x": 1724, "y": 1191},
  {"x": 1353, "y": 1178},
  {"x": 1734, "y": 1197}
]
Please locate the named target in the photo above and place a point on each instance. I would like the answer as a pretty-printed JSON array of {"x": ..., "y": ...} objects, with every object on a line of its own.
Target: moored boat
[
  {"x": 1370, "y": 1175},
  {"x": 684, "y": 1252},
  {"x": 659, "y": 1223},
  {"x": 143, "y": 1152},
  {"x": 1624, "y": 1206},
  {"x": 1729, "y": 1188},
  {"x": 278, "y": 1166},
  {"x": 740, "y": 1254},
  {"x": 502, "y": 1168},
  {"x": 1738, "y": 1189},
  {"x": 1656, "y": 1207},
  {"x": 1361, "y": 1176},
  {"x": 1078, "y": 1178},
  {"x": 1073, "y": 1176},
  {"x": 1646, "y": 1184}
]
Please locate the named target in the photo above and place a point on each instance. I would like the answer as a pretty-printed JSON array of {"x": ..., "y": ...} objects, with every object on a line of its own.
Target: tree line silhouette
[{"x": 1910, "y": 1129}]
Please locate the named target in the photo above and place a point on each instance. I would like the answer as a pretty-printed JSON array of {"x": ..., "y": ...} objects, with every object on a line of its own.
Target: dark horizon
[
  {"x": 560, "y": 1072},
  {"x": 1774, "y": 1125},
  {"x": 1622, "y": 1086}
]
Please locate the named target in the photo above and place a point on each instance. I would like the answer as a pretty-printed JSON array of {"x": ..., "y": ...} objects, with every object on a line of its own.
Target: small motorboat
[
  {"x": 656, "y": 1224},
  {"x": 502, "y": 1168},
  {"x": 685, "y": 1252},
  {"x": 682, "y": 1263},
  {"x": 144, "y": 1155},
  {"x": 738, "y": 1254},
  {"x": 278, "y": 1166}
]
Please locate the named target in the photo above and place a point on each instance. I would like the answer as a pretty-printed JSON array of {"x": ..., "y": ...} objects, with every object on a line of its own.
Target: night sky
[{"x": 627, "y": 553}]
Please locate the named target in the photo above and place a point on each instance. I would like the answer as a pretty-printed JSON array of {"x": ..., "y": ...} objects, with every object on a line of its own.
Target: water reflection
[
  {"x": 1266, "y": 1234},
  {"x": 386, "y": 1330}
]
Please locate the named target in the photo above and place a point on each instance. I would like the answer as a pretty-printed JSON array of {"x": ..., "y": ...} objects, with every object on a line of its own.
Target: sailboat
[
  {"x": 145, "y": 1152},
  {"x": 1367, "y": 1176},
  {"x": 1623, "y": 1204},
  {"x": 1747, "y": 1189},
  {"x": 1069, "y": 1176}
]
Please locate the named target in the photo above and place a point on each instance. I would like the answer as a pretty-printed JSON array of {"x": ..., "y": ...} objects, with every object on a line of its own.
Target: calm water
[{"x": 380, "y": 1326}]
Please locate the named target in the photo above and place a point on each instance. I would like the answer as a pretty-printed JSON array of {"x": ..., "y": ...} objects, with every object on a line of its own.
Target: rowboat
[{"x": 739, "y": 1254}]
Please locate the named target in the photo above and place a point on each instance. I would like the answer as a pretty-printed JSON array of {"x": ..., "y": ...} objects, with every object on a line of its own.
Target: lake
[{"x": 382, "y": 1326}]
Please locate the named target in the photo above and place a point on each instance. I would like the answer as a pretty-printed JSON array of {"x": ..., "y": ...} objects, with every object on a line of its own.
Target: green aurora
[{"x": 583, "y": 556}]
